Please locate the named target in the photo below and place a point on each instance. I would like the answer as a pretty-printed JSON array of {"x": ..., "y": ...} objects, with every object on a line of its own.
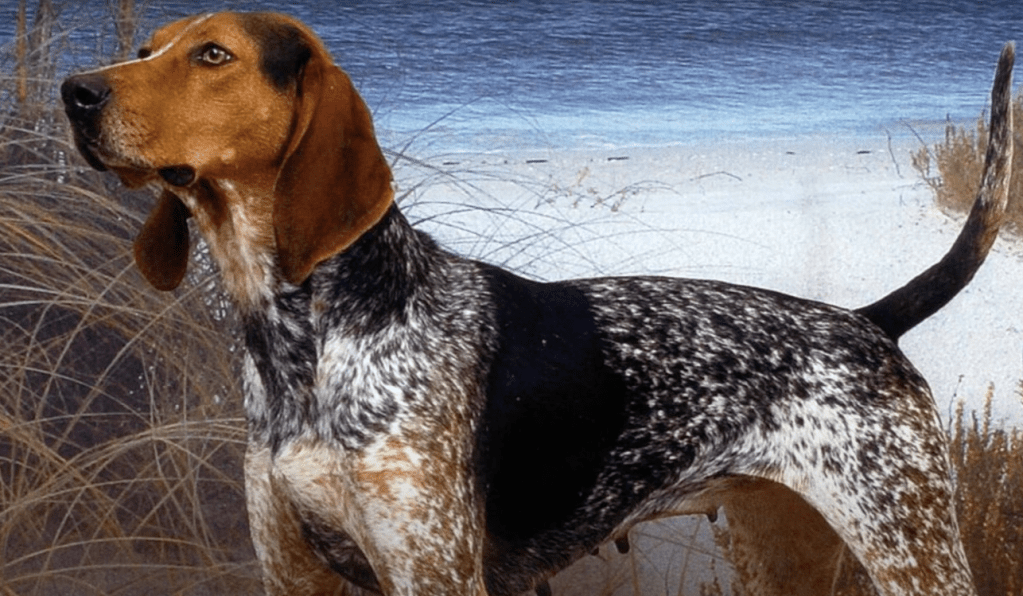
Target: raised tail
[{"x": 904, "y": 308}]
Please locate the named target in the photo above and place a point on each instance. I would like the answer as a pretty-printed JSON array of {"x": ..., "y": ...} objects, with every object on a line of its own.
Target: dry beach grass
[
  {"x": 952, "y": 167},
  {"x": 121, "y": 432}
]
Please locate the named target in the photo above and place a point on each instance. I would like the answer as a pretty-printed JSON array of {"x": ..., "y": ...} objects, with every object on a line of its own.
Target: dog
[{"x": 402, "y": 402}]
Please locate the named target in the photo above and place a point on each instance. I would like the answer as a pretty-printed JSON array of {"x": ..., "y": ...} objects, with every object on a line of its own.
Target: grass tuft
[
  {"x": 988, "y": 465},
  {"x": 952, "y": 168},
  {"x": 121, "y": 433}
]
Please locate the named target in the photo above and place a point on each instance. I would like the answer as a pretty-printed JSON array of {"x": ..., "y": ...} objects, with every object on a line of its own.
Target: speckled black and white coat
[
  {"x": 589, "y": 405},
  {"x": 424, "y": 424}
]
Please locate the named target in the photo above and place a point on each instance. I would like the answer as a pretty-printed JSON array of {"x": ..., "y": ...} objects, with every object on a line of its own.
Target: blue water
[{"x": 588, "y": 73}]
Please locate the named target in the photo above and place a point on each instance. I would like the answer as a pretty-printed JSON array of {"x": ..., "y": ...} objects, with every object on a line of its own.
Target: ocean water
[{"x": 478, "y": 76}]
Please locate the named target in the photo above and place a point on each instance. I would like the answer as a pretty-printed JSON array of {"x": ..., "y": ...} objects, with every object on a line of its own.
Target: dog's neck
[
  {"x": 380, "y": 275},
  {"x": 237, "y": 227},
  {"x": 377, "y": 285},
  {"x": 236, "y": 221}
]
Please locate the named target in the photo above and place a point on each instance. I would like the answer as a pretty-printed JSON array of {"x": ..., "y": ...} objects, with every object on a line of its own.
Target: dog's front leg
[
  {"x": 288, "y": 562},
  {"x": 421, "y": 521}
]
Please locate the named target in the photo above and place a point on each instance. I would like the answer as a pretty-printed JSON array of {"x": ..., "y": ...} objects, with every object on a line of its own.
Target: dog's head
[{"x": 244, "y": 122}]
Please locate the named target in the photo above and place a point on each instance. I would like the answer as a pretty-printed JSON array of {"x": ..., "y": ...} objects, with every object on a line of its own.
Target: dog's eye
[
  {"x": 144, "y": 53},
  {"x": 214, "y": 55}
]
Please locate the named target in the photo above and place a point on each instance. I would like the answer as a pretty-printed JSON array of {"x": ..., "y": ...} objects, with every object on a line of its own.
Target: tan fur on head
[{"x": 246, "y": 124}]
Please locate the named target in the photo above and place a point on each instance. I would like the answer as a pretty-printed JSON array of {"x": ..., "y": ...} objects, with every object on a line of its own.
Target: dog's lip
[
  {"x": 176, "y": 175},
  {"x": 88, "y": 148},
  {"x": 179, "y": 175}
]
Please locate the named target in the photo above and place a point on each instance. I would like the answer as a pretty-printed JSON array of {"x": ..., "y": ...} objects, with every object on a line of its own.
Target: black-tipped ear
[
  {"x": 335, "y": 183},
  {"x": 284, "y": 51}
]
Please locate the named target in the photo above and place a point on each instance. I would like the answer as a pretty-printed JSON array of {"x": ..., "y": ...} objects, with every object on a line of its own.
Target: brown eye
[
  {"x": 214, "y": 55},
  {"x": 144, "y": 53}
]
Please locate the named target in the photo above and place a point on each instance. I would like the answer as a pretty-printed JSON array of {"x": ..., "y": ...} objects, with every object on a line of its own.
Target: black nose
[{"x": 84, "y": 97}]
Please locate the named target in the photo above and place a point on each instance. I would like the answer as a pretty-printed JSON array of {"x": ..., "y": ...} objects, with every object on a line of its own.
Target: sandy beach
[{"x": 840, "y": 220}]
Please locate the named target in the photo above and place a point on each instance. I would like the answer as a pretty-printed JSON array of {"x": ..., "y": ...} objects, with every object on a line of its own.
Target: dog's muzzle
[{"x": 84, "y": 97}]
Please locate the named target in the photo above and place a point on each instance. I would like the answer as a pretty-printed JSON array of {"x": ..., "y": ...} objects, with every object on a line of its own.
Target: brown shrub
[
  {"x": 988, "y": 465},
  {"x": 953, "y": 167}
]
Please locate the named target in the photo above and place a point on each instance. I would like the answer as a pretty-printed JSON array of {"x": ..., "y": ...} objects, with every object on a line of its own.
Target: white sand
[{"x": 838, "y": 221}]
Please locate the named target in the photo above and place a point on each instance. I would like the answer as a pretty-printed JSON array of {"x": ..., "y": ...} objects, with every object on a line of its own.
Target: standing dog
[{"x": 403, "y": 401}]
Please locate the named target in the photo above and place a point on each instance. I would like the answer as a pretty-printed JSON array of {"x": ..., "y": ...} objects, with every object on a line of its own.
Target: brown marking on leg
[
  {"x": 422, "y": 515},
  {"x": 289, "y": 564}
]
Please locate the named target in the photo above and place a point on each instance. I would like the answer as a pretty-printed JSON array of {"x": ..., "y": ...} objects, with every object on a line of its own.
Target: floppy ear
[
  {"x": 334, "y": 184},
  {"x": 161, "y": 248}
]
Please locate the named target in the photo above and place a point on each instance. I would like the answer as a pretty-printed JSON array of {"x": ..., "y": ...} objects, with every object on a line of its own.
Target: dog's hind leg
[
  {"x": 777, "y": 543},
  {"x": 882, "y": 480}
]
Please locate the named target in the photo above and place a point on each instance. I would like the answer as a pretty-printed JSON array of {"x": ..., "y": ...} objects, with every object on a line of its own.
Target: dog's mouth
[
  {"x": 180, "y": 176},
  {"x": 88, "y": 147},
  {"x": 130, "y": 173}
]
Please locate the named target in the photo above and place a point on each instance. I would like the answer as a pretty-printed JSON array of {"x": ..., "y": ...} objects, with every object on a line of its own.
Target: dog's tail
[{"x": 904, "y": 308}]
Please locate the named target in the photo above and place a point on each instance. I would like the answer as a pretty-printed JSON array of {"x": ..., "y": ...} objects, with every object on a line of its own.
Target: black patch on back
[
  {"x": 554, "y": 409},
  {"x": 284, "y": 51}
]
